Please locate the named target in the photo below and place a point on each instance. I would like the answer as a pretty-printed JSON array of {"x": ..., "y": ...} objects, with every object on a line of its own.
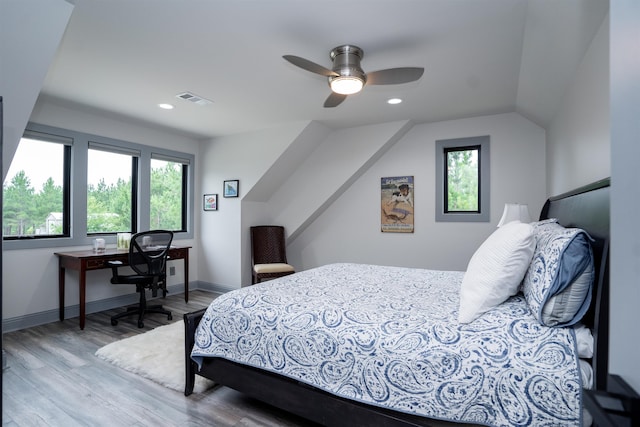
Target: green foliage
[
  {"x": 462, "y": 180},
  {"x": 108, "y": 206},
  {"x": 48, "y": 200},
  {"x": 19, "y": 206},
  {"x": 166, "y": 197}
]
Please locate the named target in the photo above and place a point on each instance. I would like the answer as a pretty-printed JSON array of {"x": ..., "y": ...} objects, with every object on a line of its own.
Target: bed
[{"x": 402, "y": 357}]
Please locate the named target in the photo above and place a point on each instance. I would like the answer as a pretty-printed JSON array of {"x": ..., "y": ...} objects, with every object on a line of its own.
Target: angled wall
[
  {"x": 247, "y": 157},
  {"x": 314, "y": 181},
  {"x": 349, "y": 229},
  {"x": 30, "y": 32},
  {"x": 335, "y": 164}
]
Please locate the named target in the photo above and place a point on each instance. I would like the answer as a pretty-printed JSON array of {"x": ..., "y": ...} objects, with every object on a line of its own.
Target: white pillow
[
  {"x": 496, "y": 270},
  {"x": 584, "y": 341}
]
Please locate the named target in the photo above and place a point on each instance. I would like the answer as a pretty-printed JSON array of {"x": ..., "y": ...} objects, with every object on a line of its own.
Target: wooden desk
[{"x": 83, "y": 261}]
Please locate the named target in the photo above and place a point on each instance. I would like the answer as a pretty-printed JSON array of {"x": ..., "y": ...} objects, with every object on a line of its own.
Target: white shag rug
[{"x": 157, "y": 355}]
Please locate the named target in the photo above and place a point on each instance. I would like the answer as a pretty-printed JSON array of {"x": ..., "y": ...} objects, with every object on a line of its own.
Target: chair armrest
[{"x": 114, "y": 270}]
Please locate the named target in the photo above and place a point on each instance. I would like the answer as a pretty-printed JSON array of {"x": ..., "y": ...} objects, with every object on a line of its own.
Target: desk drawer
[
  {"x": 93, "y": 264},
  {"x": 98, "y": 263},
  {"x": 177, "y": 253}
]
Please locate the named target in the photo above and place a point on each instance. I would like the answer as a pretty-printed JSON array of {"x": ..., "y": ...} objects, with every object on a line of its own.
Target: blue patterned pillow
[{"x": 557, "y": 285}]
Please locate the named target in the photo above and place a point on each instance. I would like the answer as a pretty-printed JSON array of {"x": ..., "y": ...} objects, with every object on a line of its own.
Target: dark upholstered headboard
[{"x": 588, "y": 208}]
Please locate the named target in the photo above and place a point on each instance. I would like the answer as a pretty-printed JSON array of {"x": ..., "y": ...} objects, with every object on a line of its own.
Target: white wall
[
  {"x": 288, "y": 175},
  {"x": 625, "y": 193},
  {"x": 578, "y": 141},
  {"x": 349, "y": 230},
  {"x": 333, "y": 165},
  {"x": 246, "y": 157}
]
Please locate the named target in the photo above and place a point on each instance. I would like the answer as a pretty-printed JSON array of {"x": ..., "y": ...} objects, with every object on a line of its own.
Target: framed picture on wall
[
  {"x": 210, "y": 202},
  {"x": 396, "y": 200},
  {"x": 230, "y": 188}
]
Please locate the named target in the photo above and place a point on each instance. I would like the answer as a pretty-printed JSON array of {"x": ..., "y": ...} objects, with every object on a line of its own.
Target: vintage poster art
[{"x": 396, "y": 194}]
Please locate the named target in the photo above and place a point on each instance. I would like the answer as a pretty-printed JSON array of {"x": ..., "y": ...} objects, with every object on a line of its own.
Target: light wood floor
[{"x": 53, "y": 379}]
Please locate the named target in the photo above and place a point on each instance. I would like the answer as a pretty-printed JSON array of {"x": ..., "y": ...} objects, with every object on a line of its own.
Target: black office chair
[
  {"x": 268, "y": 253},
  {"x": 148, "y": 259}
]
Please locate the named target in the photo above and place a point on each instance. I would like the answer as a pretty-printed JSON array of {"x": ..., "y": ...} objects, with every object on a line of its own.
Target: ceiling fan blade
[
  {"x": 393, "y": 76},
  {"x": 334, "y": 100},
  {"x": 309, "y": 66}
]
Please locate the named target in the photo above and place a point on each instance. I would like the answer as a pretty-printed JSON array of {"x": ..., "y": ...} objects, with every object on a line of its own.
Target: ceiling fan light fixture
[
  {"x": 346, "y": 85},
  {"x": 347, "y": 77}
]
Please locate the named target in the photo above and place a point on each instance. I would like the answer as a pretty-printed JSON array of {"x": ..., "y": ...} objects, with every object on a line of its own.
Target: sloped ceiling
[{"x": 123, "y": 57}]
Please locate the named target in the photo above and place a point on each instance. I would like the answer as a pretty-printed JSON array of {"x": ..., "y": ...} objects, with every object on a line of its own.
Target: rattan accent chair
[{"x": 268, "y": 253}]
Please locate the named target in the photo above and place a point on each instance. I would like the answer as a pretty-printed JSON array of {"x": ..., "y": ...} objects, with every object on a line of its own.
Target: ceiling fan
[{"x": 347, "y": 77}]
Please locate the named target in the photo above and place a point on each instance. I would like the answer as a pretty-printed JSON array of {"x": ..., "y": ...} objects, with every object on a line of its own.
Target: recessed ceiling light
[
  {"x": 394, "y": 101},
  {"x": 166, "y": 106}
]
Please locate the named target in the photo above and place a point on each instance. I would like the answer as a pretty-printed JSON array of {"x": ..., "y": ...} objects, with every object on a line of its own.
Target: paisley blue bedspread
[{"x": 389, "y": 337}]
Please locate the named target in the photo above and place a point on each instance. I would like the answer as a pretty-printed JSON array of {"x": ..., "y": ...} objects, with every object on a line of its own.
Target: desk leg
[
  {"x": 61, "y": 289},
  {"x": 82, "y": 280},
  {"x": 186, "y": 277}
]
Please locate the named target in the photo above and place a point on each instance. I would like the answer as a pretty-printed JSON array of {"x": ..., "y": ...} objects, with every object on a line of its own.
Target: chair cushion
[{"x": 276, "y": 267}]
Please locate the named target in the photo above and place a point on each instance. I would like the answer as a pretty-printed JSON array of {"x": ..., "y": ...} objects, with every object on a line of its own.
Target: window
[
  {"x": 168, "y": 193},
  {"x": 115, "y": 186},
  {"x": 110, "y": 189},
  {"x": 36, "y": 188},
  {"x": 461, "y": 191},
  {"x": 462, "y": 179}
]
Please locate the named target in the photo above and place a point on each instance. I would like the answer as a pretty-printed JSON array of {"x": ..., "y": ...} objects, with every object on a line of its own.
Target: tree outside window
[
  {"x": 462, "y": 179},
  {"x": 168, "y": 184},
  {"x": 33, "y": 204},
  {"x": 129, "y": 187},
  {"x": 109, "y": 191}
]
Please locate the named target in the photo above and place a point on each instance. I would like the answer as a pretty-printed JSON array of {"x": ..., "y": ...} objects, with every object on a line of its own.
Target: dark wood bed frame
[{"x": 586, "y": 207}]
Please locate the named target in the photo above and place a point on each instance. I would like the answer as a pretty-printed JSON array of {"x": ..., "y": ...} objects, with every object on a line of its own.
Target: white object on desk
[{"x": 99, "y": 245}]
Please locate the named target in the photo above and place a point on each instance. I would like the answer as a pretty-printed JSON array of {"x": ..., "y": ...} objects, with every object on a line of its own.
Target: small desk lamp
[{"x": 514, "y": 212}]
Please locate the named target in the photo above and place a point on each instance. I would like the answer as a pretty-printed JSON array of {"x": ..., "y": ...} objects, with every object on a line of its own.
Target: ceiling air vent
[{"x": 188, "y": 96}]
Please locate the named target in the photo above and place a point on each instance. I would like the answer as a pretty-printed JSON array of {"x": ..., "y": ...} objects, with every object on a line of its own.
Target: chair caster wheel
[
  {"x": 169, "y": 317},
  {"x": 114, "y": 322},
  {"x": 140, "y": 325}
]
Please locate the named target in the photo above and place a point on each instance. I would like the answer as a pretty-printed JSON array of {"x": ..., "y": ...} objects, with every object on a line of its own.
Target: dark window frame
[
  {"x": 448, "y": 150},
  {"x": 75, "y": 194},
  {"x": 66, "y": 186},
  {"x": 458, "y": 144},
  {"x": 184, "y": 197},
  {"x": 135, "y": 182}
]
